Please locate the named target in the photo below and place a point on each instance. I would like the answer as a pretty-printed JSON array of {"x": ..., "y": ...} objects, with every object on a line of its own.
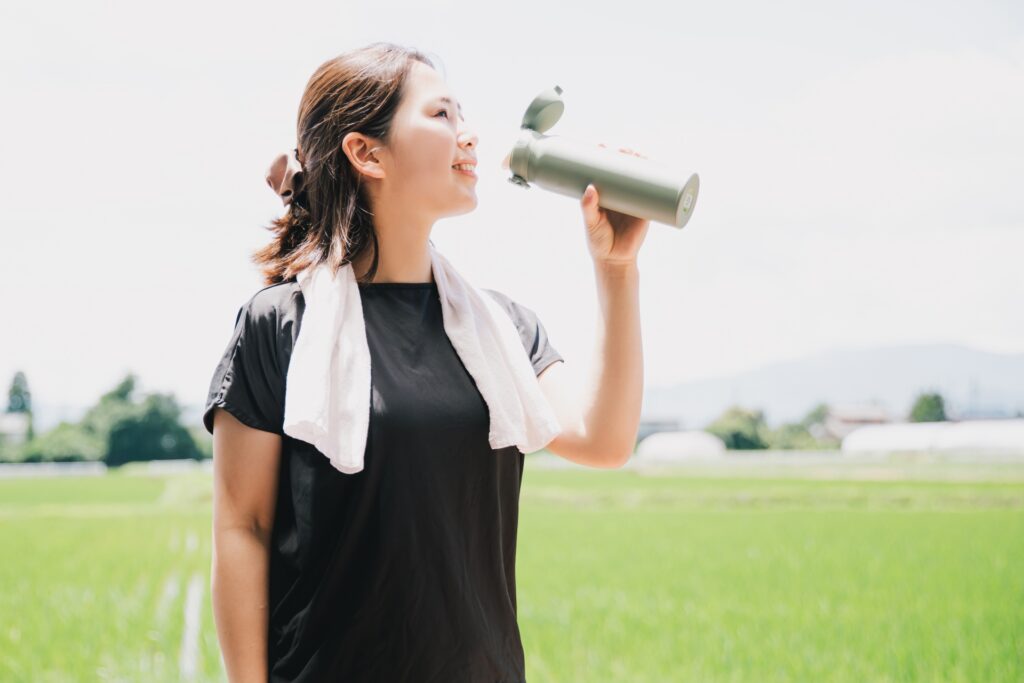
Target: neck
[
  {"x": 402, "y": 243},
  {"x": 400, "y": 260}
]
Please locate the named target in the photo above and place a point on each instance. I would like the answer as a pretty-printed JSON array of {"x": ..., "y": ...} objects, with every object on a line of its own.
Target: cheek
[{"x": 426, "y": 154}]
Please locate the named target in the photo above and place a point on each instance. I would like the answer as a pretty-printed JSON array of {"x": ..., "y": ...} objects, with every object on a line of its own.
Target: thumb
[{"x": 588, "y": 193}]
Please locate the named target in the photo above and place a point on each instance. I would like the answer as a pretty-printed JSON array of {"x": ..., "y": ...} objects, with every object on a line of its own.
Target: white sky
[{"x": 861, "y": 167}]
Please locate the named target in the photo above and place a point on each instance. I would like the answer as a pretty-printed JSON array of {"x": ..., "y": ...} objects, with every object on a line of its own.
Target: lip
[{"x": 469, "y": 173}]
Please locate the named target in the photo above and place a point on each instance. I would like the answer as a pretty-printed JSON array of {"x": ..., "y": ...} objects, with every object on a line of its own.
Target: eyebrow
[{"x": 448, "y": 100}]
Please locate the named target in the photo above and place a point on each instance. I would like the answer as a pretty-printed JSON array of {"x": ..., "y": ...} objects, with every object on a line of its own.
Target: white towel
[{"x": 327, "y": 392}]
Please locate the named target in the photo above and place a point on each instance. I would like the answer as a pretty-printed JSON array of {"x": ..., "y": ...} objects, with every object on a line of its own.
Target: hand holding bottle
[{"x": 613, "y": 237}]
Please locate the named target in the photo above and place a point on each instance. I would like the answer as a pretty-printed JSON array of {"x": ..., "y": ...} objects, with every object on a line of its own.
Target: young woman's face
[{"x": 429, "y": 136}]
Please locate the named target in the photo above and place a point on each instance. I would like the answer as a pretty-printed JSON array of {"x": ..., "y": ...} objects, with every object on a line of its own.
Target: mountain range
[{"x": 973, "y": 384}]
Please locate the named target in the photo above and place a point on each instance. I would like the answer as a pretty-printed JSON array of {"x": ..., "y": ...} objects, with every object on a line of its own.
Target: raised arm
[{"x": 601, "y": 420}]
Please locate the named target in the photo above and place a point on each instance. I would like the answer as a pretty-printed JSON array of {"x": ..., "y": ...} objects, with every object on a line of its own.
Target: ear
[{"x": 363, "y": 153}]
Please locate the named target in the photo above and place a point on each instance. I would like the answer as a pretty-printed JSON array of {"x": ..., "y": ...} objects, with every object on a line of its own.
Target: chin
[{"x": 465, "y": 206}]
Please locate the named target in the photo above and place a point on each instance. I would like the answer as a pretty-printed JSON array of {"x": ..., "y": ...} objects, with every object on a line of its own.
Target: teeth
[{"x": 464, "y": 167}]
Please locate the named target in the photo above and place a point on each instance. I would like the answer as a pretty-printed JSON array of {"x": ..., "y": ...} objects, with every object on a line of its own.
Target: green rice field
[{"x": 674, "y": 574}]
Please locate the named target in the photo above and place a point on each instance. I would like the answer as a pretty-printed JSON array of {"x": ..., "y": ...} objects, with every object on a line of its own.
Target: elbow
[
  {"x": 622, "y": 459},
  {"x": 617, "y": 448},
  {"x": 615, "y": 458},
  {"x": 610, "y": 451},
  {"x": 244, "y": 530},
  {"x": 621, "y": 455}
]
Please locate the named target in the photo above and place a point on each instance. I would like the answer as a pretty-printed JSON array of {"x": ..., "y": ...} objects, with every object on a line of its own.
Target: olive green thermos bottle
[{"x": 628, "y": 184}]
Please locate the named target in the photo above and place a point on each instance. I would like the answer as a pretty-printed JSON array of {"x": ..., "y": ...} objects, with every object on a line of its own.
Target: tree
[
  {"x": 740, "y": 429},
  {"x": 67, "y": 442},
  {"x": 19, "y": 400},
  {"x": 150, "y": 431},
  {"x": 929, "y": 407},
  {"x": 112, "y": 407},
  {"x": 815, "y": 416},
  {"x": 791, "y": 436},
  {"x": 119, "y": 429}
]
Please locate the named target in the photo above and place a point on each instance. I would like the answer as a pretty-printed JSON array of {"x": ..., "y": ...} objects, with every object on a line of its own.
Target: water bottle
[{"x": 628, "y": 184}]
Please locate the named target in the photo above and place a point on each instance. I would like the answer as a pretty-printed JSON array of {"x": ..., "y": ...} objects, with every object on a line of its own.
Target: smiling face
[{"x": 428, "y": 136}]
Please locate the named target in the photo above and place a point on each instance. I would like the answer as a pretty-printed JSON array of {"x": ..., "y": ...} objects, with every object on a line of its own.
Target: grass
[{"x": 620, "y": 577}]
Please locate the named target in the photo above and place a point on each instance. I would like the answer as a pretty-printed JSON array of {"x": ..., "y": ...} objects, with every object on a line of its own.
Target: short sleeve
[
  {"x": 532, "y": 332},
  {"x": 248, "y": 381}
]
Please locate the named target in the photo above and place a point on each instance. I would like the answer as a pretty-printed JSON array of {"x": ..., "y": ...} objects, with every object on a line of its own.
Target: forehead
[{"x": 426, "y": 86}]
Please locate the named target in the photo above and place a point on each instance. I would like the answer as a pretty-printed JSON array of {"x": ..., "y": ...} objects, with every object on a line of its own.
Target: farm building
[{"x": 841, "y": 420}]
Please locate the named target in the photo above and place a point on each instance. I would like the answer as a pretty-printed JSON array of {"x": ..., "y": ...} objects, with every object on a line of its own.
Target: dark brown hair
[{"x": 329, "y": 219}]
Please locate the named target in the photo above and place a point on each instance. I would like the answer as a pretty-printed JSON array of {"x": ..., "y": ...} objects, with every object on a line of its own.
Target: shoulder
[
  {"x": 274, "y": 301},
  {"x": 249, "y": 380},
  {"x": 271, "y": 315},
  {"x": 519, "y": 313},
  {"x": 524, "y": 317},
  {"x": 531, "y": 330}
]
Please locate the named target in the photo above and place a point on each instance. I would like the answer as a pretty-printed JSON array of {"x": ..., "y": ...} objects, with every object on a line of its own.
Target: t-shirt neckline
[{"x": 416, "y": 285}]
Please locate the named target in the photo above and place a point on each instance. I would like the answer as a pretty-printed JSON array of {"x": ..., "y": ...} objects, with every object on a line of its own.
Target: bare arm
[
  {"x": 245, "y": 464},
  {"x": 600, "y": 422}
]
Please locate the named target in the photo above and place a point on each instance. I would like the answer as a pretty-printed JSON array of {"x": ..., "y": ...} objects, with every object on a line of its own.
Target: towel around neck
[{"x": 327, "y": 395}]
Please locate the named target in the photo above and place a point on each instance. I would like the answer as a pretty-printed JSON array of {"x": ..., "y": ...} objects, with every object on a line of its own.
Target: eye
[{"x": 443, "y": 111}]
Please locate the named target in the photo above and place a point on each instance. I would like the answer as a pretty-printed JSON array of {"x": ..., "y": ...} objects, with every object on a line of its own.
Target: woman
[{"x": 404, "y": 571}]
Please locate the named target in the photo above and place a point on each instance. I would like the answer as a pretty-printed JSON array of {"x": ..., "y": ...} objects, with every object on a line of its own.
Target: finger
[{"x": 589, "y": 204}]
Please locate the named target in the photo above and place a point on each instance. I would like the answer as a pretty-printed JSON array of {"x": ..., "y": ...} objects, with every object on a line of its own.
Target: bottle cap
[{"x": 544, "y": 111}]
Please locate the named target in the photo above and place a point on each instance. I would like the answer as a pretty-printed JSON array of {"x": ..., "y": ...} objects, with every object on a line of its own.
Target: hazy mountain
[{"x": 973, "y": 383}]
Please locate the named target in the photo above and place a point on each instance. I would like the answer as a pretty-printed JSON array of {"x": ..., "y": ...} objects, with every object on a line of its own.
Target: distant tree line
[
  {"x": 121, "y": 427},
  {"x": 745, "y": 429}
]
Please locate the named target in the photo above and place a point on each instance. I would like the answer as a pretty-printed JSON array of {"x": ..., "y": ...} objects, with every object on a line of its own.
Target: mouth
[{"x": 465, "y": 169}]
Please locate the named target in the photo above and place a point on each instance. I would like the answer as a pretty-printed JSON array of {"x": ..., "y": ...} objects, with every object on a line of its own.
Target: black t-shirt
[{"x": 404, "y": 571}]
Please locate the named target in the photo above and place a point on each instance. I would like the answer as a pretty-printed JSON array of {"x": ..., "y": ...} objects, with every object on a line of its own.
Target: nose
[{"x": 468, "y": 139}]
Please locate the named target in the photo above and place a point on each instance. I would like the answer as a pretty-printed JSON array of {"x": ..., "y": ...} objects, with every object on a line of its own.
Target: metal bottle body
[{"x": 628, "y": 184}]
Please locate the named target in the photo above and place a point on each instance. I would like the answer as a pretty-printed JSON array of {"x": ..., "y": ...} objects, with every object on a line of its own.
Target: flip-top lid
[{"x": 544, "y": 111}]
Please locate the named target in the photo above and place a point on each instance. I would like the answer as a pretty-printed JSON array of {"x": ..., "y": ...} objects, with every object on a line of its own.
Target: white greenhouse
[
  {"x": 981, "y": 437},
  {"x": 679, "y": 446}
]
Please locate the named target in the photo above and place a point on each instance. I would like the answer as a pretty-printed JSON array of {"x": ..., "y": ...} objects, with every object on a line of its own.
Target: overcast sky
[{"x": 861, "y": 170}]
